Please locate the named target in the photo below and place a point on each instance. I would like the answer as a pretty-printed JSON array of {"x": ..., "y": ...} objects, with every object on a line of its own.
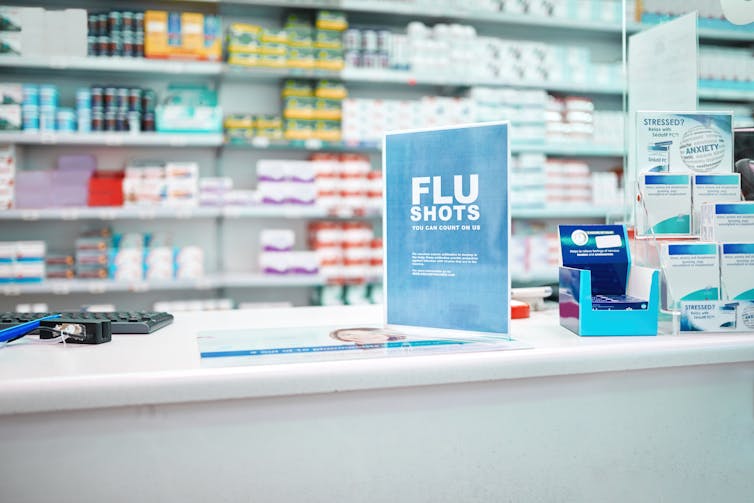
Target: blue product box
[{"x": 600, "y": 292}]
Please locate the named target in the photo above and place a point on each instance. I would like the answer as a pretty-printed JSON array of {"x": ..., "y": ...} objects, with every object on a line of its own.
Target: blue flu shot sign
[{"x": 447, "y": 228}]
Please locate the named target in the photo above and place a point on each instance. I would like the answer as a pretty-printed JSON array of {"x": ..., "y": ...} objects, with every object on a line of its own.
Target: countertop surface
[{"x": 165, "y": 367}]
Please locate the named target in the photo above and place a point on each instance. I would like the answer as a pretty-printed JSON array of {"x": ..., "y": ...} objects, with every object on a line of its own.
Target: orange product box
[{"x": 187, "y": 35}]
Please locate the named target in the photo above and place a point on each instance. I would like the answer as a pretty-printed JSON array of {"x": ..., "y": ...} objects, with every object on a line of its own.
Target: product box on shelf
[
  {"x": 186, "y": 35},
  {"x": 691, "y": 271},
  {"x": 664, "y": 207},
  {"x": 189, "y": 109},
  {"x": 737, "y": 271},
  {"x": 601, "y": 293},
  {"x": 717, "y": 188},
  {"x": 728, "y": 222},
  {"x": 685, "y": 142}
]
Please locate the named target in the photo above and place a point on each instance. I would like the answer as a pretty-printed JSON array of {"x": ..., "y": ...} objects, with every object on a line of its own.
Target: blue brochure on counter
[{"x": 446, "y": 228}]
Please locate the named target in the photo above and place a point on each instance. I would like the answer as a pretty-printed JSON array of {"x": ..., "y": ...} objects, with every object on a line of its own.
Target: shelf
[
  {"x": 723, "y": 94},
  {"x": 179, "y": 213},
  {"x": 111, "y": 213},
  {"x": 138, "y": 66},
  {"x": 574, "y": 149},
  {"x": 274, "y": 74},
  {"x": 113, "y": 139},
  {"x": 565, "y": 212},
  {"x": 399, "y": 77},
  {"x": 315, "y": 145}
]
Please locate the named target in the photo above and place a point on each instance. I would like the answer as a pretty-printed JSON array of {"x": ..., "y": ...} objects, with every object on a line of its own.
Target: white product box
[
  {"x": 728, "y": 222},
  {"x": 31, "y": 250},
  {"x": 269, "y": 170},
  {"x": 691, "y": 271},
  {"x": 29, "y": 271},
  {"x": 277, "y": 239},
  {"x": 181, "y": 170},
  {"x": 719, "y": 188},
  {"x": 302, "y": 262},
  {"x": 737, "y": 271},
  {"x": 215, "y": 184},
  {"x": 666, "y": 208},
  {"x": 692, "y": 142}
]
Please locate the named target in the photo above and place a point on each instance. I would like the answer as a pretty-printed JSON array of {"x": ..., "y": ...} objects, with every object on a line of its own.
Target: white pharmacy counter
[{"x": 667, "y": 418}]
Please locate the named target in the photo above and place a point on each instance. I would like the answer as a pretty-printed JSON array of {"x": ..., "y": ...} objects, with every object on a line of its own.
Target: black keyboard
[{"x": 122, "y": 322}]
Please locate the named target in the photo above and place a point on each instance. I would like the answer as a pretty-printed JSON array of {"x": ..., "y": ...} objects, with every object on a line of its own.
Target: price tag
[
  {"x": 147, "y": 214},
  {"x": 97, "y": 287},
  {"x": 30, "y": 215},
  {"x": 203, "y": 284},
  {"x": 48, "y": 138},
  {"x": 13, "y": 290},
  {"x": 108, "y": 214},
  {"x": 113, "y": 140},
  {"x": 61, "y": 288},
  {"x": 141, "y": 286},
  {"x": 70, "y": 214},
  {"x": 232, "y": 212},
  {"x": 184, "y": 213},
  {"x": 260, "y": 142},
  {"x": 178, "y": 141},
  {"x": 313, "y": 144}
]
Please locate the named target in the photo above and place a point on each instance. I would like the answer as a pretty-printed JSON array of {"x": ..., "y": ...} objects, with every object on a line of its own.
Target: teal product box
[
  {"x": 189, "y": 109},
  {"x": 601, "y": 293},
  {"x": 690, "y": 142},
  {"x": 728, "y": 222},
  {"x": 691, "y": 272},
  {"x": 665, "y": 205},
  {"x": 737, "y": 271},
  {"x": 717, "y": 188}
]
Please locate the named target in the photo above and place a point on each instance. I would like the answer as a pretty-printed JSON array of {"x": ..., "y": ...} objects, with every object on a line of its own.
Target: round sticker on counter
[{"x": 702, "y": 149}]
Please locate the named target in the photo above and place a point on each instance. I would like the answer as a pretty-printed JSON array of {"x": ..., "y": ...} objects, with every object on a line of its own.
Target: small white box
[
  {"x": 717, "y": 188},
  {"x": 690, "y": 272},
  {"x": 277, "y": 239},
  {"x": 728, "y": 222},
  {"x": 737, "y": 271},
  {"x": 666, "y": 208}
]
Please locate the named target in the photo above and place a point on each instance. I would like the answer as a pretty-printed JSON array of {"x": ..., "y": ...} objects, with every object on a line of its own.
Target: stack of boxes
[
  {"x": 286, "y": 182},
  {"x": 277, "y": 255},
  {"x": 570, "y": 119},
  {"x": 116, "y": 33},
  {"x": 246, "y": 126},
  {"x": 11, "y": 101},
  {"x": 150, "y": 183},
  {"x": 7, "y": 176},
  {"x": 299, "y": 44},
  {"x": 22, "y": 261},
  {"x": 213, "y": 190},
  {"x": 369, "y": 48},
  {"x": 524, "y": 108},
  {"x": 182, "y": 35},
  {"x": 535, "y": 251},
  {"x": 34, "y": 31},
  {"x": 348, "y": 252},
  {"x": 313, "y": 113}
]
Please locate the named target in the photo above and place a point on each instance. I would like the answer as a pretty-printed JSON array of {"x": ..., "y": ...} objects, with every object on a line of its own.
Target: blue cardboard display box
[{"x": 600, "y": 293}]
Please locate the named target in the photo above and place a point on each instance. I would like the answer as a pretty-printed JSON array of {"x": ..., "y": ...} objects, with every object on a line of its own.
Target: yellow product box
[
  {"x": 244, "y": 38},
  {"x": 271, "y": 133},
  {"x": 331, "y": 20},
  {"x": 329, "y": 59},
  {"x": 239, "y": 133},
  {"x": 274, "y": 49},
  {"x": 300, "y": 57},
  {"x": 326, "y": 109},
  {"x": 236, "y": 121},
  {"x": 268, "y": 121},
  {"x": 244, "y": 59},
  {"x": 300, "y": 37},
  {"x": 327, "y": 130},
  {"x": 187, "y": 35},
  {"x": 273, "y": 60},
  {"x": 293, "y": 87},
  {"x": 328, "y": 39},
  {"x": 274, "y": 37},
  {"x": 298, "y": 107},
  {"x": 296, "y": 129},
  {"x": 331, "y": 89}
]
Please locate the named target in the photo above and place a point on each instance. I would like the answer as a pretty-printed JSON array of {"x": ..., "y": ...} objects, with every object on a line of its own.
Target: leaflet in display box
[{"x": 600, "y": 292}]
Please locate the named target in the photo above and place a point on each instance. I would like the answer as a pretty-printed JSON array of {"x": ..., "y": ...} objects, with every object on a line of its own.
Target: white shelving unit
[{"x": 235, "y": 227}]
